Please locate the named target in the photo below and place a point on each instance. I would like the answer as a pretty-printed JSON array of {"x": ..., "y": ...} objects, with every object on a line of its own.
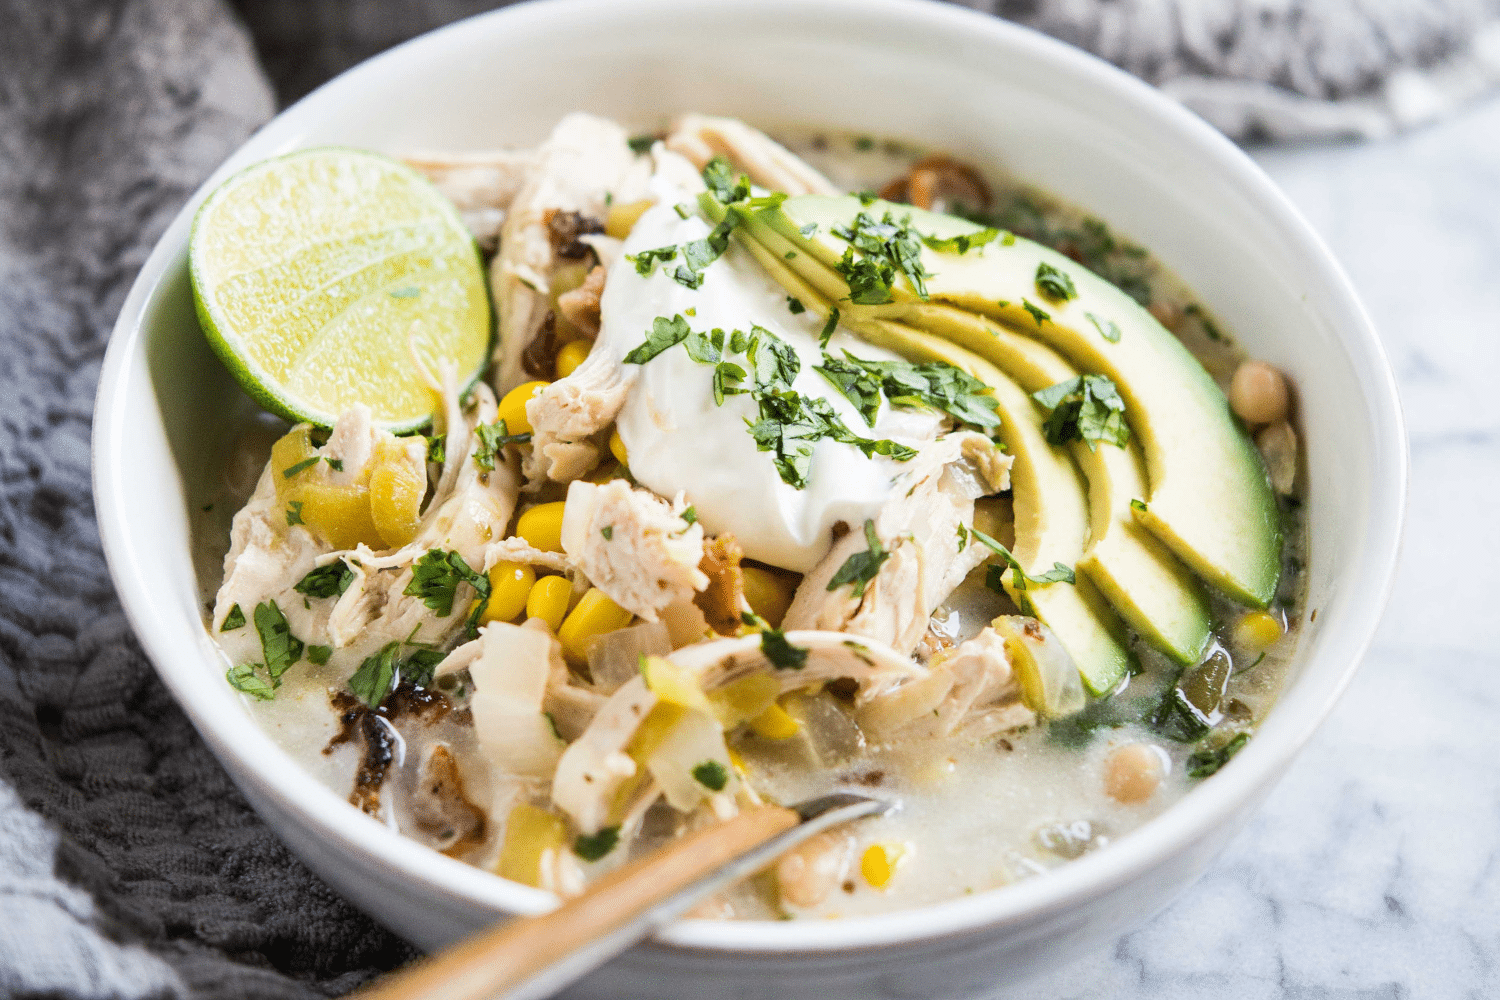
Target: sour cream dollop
[{"x": 679, "y": 439}]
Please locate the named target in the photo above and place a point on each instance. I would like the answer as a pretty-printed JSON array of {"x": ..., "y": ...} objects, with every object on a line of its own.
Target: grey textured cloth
[{"x": 129, "y": 865}]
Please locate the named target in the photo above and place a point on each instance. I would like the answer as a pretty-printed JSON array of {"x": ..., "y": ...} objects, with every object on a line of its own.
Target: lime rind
[{"x": 244, "y": 351}]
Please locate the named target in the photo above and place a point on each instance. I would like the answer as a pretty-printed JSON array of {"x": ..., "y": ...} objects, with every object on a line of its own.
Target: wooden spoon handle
[{"x": 494, "y": 962}]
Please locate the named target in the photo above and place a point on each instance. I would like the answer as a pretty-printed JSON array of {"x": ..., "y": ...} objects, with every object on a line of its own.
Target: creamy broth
[{"x": 976, "y": 813}]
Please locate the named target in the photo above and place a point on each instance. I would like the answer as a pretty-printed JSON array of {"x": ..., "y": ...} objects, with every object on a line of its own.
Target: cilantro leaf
[
  {"x": 1107, "y": 328},
  {"x": 1057, "y": 574},
  {"x": 664, "y": 333},
  {"x": 936, "y": 384},
  {"x": 641, "y": 144},
  {"x": 869, "y": 280},
  {"x": 595, "y": 846},
  {"x": 697, "y": 255},
  {"x": 711, "y": 775},
  {"x": 828, "y": 328},
  {"x": 318, "y": 655},
  {"x": 794, "y": 305},
  {"x": 326, "y": 581},
  {"x": 1084, "y": 408},
  {"x": 718, "y": 175},
  {"x": 294, "y": 513},
  {"x": 235, "y": 619},
  {"x": 1203, "y": 763},
  {"x": 1037, "y": 313},
  {"x": 690, "y": 515},
  {"x": 889, "y": 246},
  {"x": 1054, "y": 284},
  {"x": 782, "y": 654},
  {"x": 280, "y": 647},
  {"x": 418, "y": 667},
  {"x": 963, "y": 243},
  {"x": 375, "y": 676},
  {"x": 244, "y": 679},
  {"x": 861, "y": 567},
  {"x": 492, "y": 441},
  {"x": 645, "y": 262},
  {"x": 437, "y": 448},
  {"x": 705, "y": 348},
  {"x": 727, "y": 379},
  {"x": 306, "y": 463},
  {"x": 436, "y": 576},
  {"x": 773, "y": 361}
]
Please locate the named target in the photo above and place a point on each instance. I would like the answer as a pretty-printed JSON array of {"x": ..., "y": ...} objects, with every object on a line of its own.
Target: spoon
[{"x": 532, "y": 957}]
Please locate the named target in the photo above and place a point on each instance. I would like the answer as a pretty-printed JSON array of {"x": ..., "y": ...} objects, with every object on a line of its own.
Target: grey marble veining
[{"x": 1373, "y": 870}]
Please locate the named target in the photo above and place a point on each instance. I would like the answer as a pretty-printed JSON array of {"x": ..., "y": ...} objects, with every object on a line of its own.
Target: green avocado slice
[
  {"x": 1210, "y": 500},
  {"x": 1051, "y": 506}
]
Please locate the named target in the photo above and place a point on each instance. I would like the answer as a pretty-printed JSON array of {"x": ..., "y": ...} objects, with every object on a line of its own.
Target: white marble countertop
[{"x": 1373, "y": 870}]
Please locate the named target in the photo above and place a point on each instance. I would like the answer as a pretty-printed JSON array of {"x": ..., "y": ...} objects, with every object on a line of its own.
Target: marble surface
[{"x": 1373, "y": 870}]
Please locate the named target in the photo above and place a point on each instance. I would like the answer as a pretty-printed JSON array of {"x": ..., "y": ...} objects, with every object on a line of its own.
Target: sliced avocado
[
  {"x": 1210, "y": 500},
  {"x": 1152, "y": 591}
]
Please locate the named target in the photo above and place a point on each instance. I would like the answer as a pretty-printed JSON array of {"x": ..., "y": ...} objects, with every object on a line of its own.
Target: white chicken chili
[{"x": 850, "y": 467}]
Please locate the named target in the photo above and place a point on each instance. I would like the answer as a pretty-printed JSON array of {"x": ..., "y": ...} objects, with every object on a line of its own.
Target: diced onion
[{"x": 615, "y": 657}]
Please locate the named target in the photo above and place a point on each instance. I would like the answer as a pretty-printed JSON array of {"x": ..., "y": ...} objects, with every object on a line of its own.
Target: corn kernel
[
  {"x": 617, "y": 448},
  {"x": 769, "y": 593},
  {"x": 529, "y": 833},
  {"x": 541, "y": 526},
  {"x": 622, "y": 218},
  {"x": 879, "y": 863},
  {"x": 571, "y": 355},
  {"x": 396, "y": 491},
  {"x": 512, "y": 408},
  {"x": 595, "y": 615},
  {"x": 510, "y": 586},
  {"x": 548, "y": 600},
  {"x": 1257, "y": 630},
  {"x": 775, "y": 723}
]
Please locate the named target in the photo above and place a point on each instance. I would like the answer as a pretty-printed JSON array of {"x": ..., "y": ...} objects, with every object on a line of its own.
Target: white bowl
[{"x": 964, "y": 82}]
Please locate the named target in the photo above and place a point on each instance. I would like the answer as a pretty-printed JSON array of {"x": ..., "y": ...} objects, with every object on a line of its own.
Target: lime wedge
[{"x": 330, "y": 277}]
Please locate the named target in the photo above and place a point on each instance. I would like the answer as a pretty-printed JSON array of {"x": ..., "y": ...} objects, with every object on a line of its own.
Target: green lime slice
[{"x": 330, "y": 277}]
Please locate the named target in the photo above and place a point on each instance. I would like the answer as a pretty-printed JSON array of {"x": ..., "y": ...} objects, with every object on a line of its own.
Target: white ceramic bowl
[{"x": 989, "y": 92}]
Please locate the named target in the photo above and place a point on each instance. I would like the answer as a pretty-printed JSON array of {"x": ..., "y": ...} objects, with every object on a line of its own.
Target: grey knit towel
[{"x": 129, "y": 865}]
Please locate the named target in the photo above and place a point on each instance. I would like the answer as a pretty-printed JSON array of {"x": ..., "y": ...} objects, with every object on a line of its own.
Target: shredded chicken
[
  {"x": 924, "y": 528},
  {"x": 768, "y": 163},
  {"x": 969, "y": 689},
  {"x": 632, "y": 545},
  {"x": 585, "y": 159},
  {"x": 480, "y": 185}
]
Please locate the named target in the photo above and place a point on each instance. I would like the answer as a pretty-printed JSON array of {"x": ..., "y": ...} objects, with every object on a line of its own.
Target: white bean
[
  {"x": 809, "y": 872},
  {"x": 1133, "y": 772},
  {"x": 1258, "y": 393}
]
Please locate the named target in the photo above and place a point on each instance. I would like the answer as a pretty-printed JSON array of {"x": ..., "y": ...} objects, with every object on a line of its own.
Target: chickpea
[
  {"x": 1258, "y": 393},
  {"x": 809, "y": 872},
  {"x": 1133, "y": 772}
]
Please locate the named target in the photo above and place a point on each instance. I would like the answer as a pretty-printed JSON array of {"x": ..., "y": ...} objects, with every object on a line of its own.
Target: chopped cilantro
[
  {"x": 934, "y": 383},
  {"x": 436, "y": 576},
  {"x": 773, "y": 361},
  {"x": 326, "y": 581},
  {"x": 244, "y": 679},
  {"x": 888, "y": 247},
  {"x": 1139, "y": 505},
  {"x": 294, "y": 513},
  {"x": 1037, "y": 313},
  {"x": 1203, "y": 763},
  {"x": 1106, "y": 327},
  {"x": 595, "y": 846},
  {"x": 235, "y": 619},
  {"x": 794, "y": 305},
  {"x": 697, "y": 255},
  {"x": 608, "y": 531},
  {"x": 1057, "y": 574},
  {"x": 963, "y": 537},
  {"x": 727, "y": 379},
  {"x": 782, "y": 654},
  {"x": 861, "y": 567},
  {"x": 705, "y": 348},
  {"x": 280, "y": 647},
  {"x": 319, "y": 654},
  {"x": 718, "y": 175},
  {"x": 867, "y": 197},
  {"x": 690, "y": 515},
  {"x": 418, "y": 667},
  {"x": 645, "y": 262},
  {"x": 828, "y": 328},
  {"x": 1084, "y": 408},
  {"x": 306, "y": 463},
  {"x": 376, "y": 674},
  {"x": 492, "y": 441},
  {"x": 711, "y": 775},
  {"x": 336, "y": 464},
  {"x": 962, "y": 243},
  {"x": 664, "y": 333},
  {"x": 682, "y": 210},
  {"x": 437, "y": 450},
  {"x": 641, "y": 144},
  {"x": 1054, "y": 284}
]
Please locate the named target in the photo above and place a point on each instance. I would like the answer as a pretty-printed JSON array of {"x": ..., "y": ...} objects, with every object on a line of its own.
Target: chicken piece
[
  {"x": 970, "y": 689},
  {"x": 723, "y": 600},
  {"x": 771, "y": 165},
  {"x": 581, "y": 306},
  {"x": 924, "y": 530},
  {"x": 632, "y": 545},
  {"x": 480, "y": 185},
  {"x": 567, "y": 415},
  {"x": 585, "y": 159},
  {"x": 594, "y": 766}
]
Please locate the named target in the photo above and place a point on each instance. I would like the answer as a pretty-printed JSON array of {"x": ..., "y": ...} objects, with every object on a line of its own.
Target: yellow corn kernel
[
  {"x": 622, "y": 218},
  {"x": 1257, "y": 630},
  {"x": 396, "y": 491},
  {"x": 746, "y": 698},
  {"x": 595, "y": 615},
  {"x": 541, "y": 526},
  {"x": 775, "y": 723},
  {"x": 571, "y": 355},
  {"x": 548, "y": 600},
  {"x": 673, "y": 684},
  {"x": 769, "y": 593},
  {"x": 879, "y": 862},
  {"x": 510, "y": 586},
  {"x": 512, "y": 408},
  {"x": 617, "y": 448},
  {"x": 529, "y": 833}
]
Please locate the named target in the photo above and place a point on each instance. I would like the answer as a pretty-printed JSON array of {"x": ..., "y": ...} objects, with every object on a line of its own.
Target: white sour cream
[{"x": 679, "y": 439}]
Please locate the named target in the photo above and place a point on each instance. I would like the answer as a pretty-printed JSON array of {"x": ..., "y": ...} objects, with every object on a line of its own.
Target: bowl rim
[{"x": 321, "y": 810}]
